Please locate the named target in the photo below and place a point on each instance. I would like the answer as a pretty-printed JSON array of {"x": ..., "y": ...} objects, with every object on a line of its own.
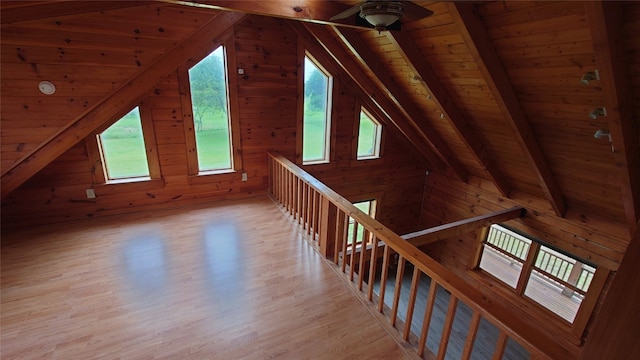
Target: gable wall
[{"x": 266, "y": 49}]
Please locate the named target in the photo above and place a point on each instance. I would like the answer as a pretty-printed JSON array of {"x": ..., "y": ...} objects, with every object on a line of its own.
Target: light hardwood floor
[{"x": 233, "y": 280}]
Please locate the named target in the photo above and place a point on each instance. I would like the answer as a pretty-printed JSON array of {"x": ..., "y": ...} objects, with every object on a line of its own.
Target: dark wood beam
[
  {"x": 484, "y": 53},
  {"x": 606, "y": 21},
  {"x": 374, "y": 99},
  {"x": 389, "y": 90},
  {"x": 316, "y": 11},
  {"x": 414, "y": 58},
  {"x": 369, "y": 59},
  {"x": 28, "y": 11},
  {"x": 446, "y": 231},
  {"x": 120, "y": 101}
]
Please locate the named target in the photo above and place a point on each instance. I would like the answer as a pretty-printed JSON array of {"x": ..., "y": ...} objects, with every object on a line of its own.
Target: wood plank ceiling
[{"x": 491, "y": 89}]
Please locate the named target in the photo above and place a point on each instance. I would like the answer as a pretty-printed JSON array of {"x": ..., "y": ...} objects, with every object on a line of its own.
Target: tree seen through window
[{"x": 210, "y": 113}]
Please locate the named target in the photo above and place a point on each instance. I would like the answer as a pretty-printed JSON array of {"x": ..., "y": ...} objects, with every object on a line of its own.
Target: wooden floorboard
[{"x": 233, "y": 280}]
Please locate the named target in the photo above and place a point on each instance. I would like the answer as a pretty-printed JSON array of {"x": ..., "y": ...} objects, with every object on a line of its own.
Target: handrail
[{"x": 288, "y": 182}]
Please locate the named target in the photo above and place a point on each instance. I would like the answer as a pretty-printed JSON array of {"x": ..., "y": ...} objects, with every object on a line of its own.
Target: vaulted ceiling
[{"x": 486, "y": 90}]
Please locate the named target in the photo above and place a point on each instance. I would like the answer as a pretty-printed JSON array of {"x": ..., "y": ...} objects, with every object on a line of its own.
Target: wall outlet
[
  {"x": 244, "y": 176},
  {"x": 91, "y": 194},
  {"x": 240, "y": 71}
]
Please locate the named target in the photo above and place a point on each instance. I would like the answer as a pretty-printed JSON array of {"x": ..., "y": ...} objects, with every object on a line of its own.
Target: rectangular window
[
  {"x": 369, "y": 135},
  {"x": 556, "y": 280},
  {"x": 316, "y": 116},
  {"x": 209, "y": 101},
  {"x": 122, "y": 148},
  {"x": 368, "y": 207},
  {"x": 504, "y": 254}
]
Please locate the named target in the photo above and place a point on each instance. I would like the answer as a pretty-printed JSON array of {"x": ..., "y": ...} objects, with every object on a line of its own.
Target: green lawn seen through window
[{"x": 123, "y": 148}]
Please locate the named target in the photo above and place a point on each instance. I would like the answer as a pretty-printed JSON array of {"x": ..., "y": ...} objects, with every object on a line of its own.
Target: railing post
[{"x": 327, "y": 228}]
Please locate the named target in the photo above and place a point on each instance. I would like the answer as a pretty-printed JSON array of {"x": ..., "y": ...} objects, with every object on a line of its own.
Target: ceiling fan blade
[
  {"x": 347, "y": 13},
  {"x": 413, "y": 12}
]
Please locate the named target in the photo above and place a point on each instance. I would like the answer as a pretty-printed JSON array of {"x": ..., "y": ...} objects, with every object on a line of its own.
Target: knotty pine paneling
[
  {"x": 86, "y": 56},
  {"x": 446, "y": 200},
  {"x": 266, "y": 50}
]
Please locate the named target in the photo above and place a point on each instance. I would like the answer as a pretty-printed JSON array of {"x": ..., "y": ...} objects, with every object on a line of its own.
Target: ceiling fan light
[{"x": 381, "y": 14}]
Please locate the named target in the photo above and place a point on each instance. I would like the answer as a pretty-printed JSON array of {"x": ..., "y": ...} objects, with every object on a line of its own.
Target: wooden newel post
[{"x": 327, "y": 228}]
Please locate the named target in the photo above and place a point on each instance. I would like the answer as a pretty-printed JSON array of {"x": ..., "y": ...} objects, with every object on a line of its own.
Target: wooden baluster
[
  {"x": 500, "y": 346},
  {"x": 305, "y": 206},
  {"x": 316, "y": 218},
  {"x": 363, "y": 250},
  {"x": 310, "y": 209},
  {"x": 471, "y": 336},
  {"x": 270, "y": 166},
  {"x": 372, "y": 267},
  {"x": 397, "y": 290},
  {"x": 415, "y": 281},
  {"x": 345, "y": 233},
  {"x": 287, "y": 178},
  {"x": 296, "y": 188},
  {"x": 428, "y": 312},
  {"x": 448, "y": 325},
  {"x": 315, "y": 215},
  {"x": 303, "y": 185},
  {"x": 354, "y": 235},
  {"x": 282, "y": 176},
  {"x": 340, "y": 234},
  {"x": 328, "y": 231},
  {"x": 386, "y": 255}
]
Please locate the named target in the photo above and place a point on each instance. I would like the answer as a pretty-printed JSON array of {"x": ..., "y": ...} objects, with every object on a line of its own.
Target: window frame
[
  {"x": 377, "y": 153},
  {"x": 329, "y": 129},
  {"x": 98, "y": 165},
  {"x": 577, "y": 327},
  {"x": 229, "y": 57}
]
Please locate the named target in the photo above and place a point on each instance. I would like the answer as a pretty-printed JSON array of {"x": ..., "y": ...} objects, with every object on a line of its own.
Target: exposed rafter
[
  {"x": 395, "y": 93},
  {"x": 118, "y": 102},
  {"x": 484, "y": 53},
  {"x": 327, "y": 60},
  {"x": 27, "y": 11},
  {"x": 368, "y": 92},
  {"x": 415, "y": 60},
  {"x": 316, "y": 11},
  {"x": 606, "y": 20}
]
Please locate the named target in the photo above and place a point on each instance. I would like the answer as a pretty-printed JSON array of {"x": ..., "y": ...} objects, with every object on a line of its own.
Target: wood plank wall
[
  {"x": 590, "y": 238},
  {"x": 266, "y": 50}
]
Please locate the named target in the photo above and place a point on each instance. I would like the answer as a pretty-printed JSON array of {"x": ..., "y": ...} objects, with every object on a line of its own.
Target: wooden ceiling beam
[
  {"x": 320, "y": 54},
  {"x": 484, "y": 53},
  {"x": 371, "y": 93},
  {"x": 120, "y": 101},
  {"x": 414, "y": 58},
  {"x": 457, "y": 228},
  {"x": 417, "y": 118},
  {"x": 606, "y": 21},
  {"x": 315, "y": 11},
  {"x": 38, "y": 10}
]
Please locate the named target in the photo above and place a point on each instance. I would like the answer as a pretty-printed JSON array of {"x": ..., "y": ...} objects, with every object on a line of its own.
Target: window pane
[
  {"x": 315, "y": 128},
  {"x": 210, "y": 114},
  {"x": 504, "y": 253},
  {"x": 367, "y": 207},
  {"x": 368, "y": 137},
  {"x": 123, "y": 148},
  {"x": 559, "y": 282}
]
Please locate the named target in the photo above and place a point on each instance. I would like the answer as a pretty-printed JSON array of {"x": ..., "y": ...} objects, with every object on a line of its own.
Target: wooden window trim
[
  {"x": 230, "y": 66},
  {"x": 332, "y": 84},
  {"x": 96, "y": 157},
  {"x": 356, "y": 132}
]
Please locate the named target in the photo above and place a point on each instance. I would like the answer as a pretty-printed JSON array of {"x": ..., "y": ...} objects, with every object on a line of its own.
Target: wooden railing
[{"x": 324, "y": 215}]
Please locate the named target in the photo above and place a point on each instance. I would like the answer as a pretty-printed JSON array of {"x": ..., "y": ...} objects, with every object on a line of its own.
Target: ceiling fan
[{"x": 384, "y": 15}]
